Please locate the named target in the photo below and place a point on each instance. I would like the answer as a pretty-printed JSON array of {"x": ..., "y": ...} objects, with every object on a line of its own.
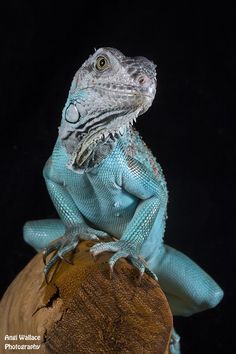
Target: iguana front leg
[
  {"x": 76, "y": 228},
  {"x": 152, "y": 208}
]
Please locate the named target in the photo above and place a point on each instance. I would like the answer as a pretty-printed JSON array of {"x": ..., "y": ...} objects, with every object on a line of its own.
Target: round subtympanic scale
[{"x": 72, "y": 114}]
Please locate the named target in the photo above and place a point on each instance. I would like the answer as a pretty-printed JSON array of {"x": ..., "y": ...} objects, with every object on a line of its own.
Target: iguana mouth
[{"x": 127, "y": 91}]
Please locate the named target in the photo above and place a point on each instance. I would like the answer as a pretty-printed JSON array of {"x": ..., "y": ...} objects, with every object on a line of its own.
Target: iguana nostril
[
  {"x": 141, "y": 80},
  {"x": 72, "y": 115}
]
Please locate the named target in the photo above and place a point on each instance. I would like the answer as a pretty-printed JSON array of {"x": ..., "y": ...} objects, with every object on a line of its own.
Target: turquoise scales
[{"x": 103, "y": 180}]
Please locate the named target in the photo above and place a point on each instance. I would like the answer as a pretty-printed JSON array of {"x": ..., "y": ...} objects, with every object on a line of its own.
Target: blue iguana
[{"x": 103, "y": 180}]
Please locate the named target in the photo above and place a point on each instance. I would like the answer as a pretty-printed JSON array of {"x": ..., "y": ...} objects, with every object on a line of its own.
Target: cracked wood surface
[{"x": 83, "y": 311}]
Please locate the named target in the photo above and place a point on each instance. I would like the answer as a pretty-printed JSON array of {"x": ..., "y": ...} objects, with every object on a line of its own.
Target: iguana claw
[
  {"x": 123, "y": 249},
  {"x": 68, "y": 243}
]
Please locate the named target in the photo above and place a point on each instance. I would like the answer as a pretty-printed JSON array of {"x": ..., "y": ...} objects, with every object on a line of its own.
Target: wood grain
[{"x": 83, "y": 311}]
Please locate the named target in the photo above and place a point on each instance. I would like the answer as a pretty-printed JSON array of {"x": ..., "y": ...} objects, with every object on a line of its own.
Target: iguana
[{"x": 103, "y": 180}]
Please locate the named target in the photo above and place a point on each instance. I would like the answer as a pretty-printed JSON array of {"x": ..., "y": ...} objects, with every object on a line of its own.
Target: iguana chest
[{"x": 99, "y": 195}]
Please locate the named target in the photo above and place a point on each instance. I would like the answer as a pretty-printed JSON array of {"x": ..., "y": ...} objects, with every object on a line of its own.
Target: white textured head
[{"x": 107, "y": 94}]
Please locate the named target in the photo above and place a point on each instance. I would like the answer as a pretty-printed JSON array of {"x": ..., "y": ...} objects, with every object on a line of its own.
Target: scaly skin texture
[{"x": 103, "y": 180}]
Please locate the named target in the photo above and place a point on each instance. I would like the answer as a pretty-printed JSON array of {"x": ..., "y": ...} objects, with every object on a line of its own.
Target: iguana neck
[{"x": 84, "y": 159}]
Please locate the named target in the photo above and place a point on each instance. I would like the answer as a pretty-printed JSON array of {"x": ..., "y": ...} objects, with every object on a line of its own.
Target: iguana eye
[{"x": 102, "y": 63}]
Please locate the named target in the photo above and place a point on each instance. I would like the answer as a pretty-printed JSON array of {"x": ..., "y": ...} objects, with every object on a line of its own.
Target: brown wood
[{"x": 83, "y": 311}]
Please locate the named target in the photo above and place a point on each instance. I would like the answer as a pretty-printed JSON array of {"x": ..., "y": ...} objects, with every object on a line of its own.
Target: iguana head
[{"x": 107, "y": 94}]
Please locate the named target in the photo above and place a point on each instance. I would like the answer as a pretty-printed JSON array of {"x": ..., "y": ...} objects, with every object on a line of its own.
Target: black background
[{"x": 189, "y": 127}]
